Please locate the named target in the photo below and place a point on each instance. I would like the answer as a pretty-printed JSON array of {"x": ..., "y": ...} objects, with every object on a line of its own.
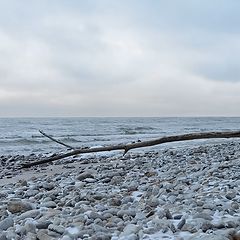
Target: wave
[
  {"x": 136, "y": 130},
  {"x": 22, "y": 141}
]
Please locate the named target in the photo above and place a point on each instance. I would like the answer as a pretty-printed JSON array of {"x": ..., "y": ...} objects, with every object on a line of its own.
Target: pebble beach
[{"x": 184, "y": 194}]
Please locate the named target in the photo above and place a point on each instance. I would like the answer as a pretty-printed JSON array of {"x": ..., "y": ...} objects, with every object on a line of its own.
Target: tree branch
[
  {"x": 55, "y": 140},
  {"x": 127, "y": 147}
]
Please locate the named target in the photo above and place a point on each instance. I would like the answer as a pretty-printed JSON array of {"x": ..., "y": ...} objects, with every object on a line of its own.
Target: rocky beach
[{"x": 174, "y": 193}]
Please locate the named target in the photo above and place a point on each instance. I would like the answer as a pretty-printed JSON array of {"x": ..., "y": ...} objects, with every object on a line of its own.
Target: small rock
[
  {"x": 3, "y": 236},
  {"x": 56, "y": 228},
  {"x": 130, "y": 212},
  {"x": 231, "y": 195},
  {"x": 30, "y": 236},
  {"x": 30, "y": 214},
  {"x": 6, "y": 223},
  {"x": 181, "y": 223},
  {"x": 203, "y": 216},
  {"x": 30, "y": 226},
  {"x": 130, "y": 229},
  {"x": 153, "y": 202},
  {"x": 42, "y": 224},
  {"x": 49, "y": 204},
  {"x": 42, "y": 235},
  {"x": 206, "y": 226},
  {"x": 168, "y": 214},
  {"x": 84, "y": 175}
]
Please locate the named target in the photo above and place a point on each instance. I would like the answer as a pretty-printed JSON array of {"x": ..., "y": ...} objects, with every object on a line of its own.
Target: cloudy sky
[{"x": 119, "y": 58}]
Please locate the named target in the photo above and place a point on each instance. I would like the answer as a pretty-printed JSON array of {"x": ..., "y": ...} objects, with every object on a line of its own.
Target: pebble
[
  {"x": 15, "y": 206},
  {"x": 6, "y": 223}
]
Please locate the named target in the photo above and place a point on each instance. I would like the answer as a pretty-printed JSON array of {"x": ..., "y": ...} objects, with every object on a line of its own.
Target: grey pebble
[{"x": 6, "y": 223}]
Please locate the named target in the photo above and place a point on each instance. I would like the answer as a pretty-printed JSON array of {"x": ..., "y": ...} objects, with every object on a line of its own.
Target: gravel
[{"x": 190, "y": 193}]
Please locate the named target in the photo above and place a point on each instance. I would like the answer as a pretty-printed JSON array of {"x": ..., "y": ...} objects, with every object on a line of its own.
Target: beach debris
[{"x": 128, "y": 147}]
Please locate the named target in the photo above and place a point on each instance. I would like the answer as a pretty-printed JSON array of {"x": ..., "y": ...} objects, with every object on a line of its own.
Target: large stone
[{"x": 16, "y": 206}]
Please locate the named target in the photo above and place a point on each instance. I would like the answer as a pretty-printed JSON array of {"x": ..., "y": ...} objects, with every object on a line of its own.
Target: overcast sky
[{"x": 119, "y": 58}]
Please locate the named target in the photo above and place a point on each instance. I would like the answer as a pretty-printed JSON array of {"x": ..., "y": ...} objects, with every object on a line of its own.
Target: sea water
[{"x": 21, "y": 135}]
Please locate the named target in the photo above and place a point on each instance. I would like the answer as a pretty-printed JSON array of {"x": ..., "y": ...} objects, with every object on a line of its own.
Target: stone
[
  {"x": 208, "y": 237},
  {"x": 72, "y": 232},
  {"x": 153, "y": 202},
  {"x": 3, "y": 236},
  {"x": 6, "y": 223},
  {"x": 30, "y": 226},
  {"x": 101, "y": 236},
  {"x": 49, "y": 204},
  {"x": 30, "y": 214},
  {"x": 84, "y": 175},
  {"x": 130, "y": 229},
  {"x": 16, "y": 206},
  {"x": 42, "y": 235},
  {"x": 168, "y": 214},
  {"x": 30, "y": 236},
  {"x": 231, "y": 195},
  {"x": 42, "y": 224},
  {"x": 56, "y": 228},
  {"x": 130, "y": 237},
  {"x": 115, "y": 201},
  {"x": 206, "y": 225},
  {"x": 129, "y": 212},
  {"x": 48, "y": 186},
  {"x": 203, "y": 216},
  {"x": 94, "y": 215},
  {"x": 181, "y": 223},
  {"x": 30, "y": 193}
]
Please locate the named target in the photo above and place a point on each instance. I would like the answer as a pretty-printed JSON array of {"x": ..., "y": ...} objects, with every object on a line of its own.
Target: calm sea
[{"x": 21, "y": 136}]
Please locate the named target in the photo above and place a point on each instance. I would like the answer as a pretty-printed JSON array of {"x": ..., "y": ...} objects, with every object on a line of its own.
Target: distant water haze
[{"x": 21, "y": 136}]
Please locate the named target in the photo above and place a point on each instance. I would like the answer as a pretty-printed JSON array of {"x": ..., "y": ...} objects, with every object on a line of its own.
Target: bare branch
[
  {"x": 127, "y": 147},
  {"x": 55, "y": 140}
]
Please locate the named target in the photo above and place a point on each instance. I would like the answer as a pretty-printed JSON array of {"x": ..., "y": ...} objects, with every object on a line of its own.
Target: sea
[{"x": 21, "y": 135}]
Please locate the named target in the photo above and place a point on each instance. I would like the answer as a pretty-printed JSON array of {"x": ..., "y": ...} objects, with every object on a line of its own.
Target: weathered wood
[
  {"x": 127, "y": 147},
  {"x": 55, "y": 140}
]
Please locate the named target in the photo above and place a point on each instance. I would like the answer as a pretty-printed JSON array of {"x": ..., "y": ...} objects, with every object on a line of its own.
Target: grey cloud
[{"x": 108, "y": 57}]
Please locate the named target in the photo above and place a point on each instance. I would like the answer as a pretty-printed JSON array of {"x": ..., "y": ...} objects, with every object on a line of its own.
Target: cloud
[{"x": 109, "y": 58}]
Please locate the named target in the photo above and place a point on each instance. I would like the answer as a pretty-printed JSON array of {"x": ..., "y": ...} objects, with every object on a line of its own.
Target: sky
[{"x": 143, "y": 58}]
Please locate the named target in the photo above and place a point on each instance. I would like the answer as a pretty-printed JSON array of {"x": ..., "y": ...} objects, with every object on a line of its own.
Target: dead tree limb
[
  {"x": 127, "y": 147},
  {"x": 55, "y": 140}
]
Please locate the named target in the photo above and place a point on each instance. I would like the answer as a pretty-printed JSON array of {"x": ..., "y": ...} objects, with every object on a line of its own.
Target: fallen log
[{"x": 129, "y": 146}]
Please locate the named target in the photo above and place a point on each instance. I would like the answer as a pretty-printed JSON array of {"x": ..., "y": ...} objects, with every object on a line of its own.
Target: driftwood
[
  {"x": 55, "y": 140},
  {"x": 127, "y": 147}
]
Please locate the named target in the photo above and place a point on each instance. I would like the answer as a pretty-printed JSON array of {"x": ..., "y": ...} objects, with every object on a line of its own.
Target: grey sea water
[{"x": 21, "y": 136}]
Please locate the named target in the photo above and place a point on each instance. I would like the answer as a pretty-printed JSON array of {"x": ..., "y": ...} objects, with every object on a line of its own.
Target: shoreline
[{"x": 190, "y": 193}]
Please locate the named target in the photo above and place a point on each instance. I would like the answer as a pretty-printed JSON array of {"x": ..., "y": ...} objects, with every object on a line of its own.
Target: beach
[{"x": 183, "y": 193}]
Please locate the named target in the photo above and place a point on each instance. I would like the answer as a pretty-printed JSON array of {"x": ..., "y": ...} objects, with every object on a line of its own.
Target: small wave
[
  {"x": 69, "y": 139},
  {"x": 23, "y": 141},
  {"x": 135, "y": 130}
]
